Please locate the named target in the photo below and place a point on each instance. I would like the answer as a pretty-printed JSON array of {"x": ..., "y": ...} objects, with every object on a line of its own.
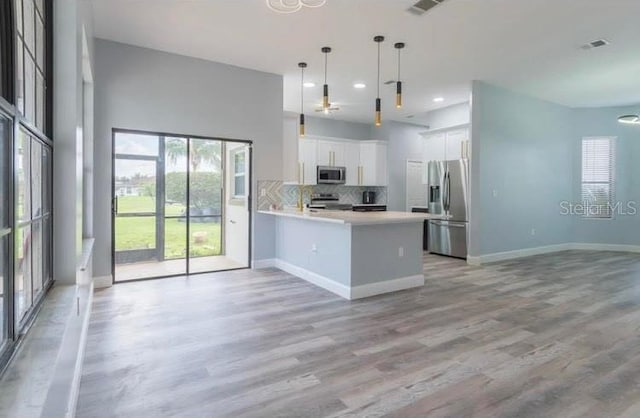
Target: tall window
[
  {"x": 598, "y": 177},
  {"x": 31, "y": 65}
]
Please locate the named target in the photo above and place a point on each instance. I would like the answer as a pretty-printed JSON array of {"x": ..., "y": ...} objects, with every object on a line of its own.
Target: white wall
[
  {"x": 139, "y": 88},
  {"x": 72, "y": 18}
]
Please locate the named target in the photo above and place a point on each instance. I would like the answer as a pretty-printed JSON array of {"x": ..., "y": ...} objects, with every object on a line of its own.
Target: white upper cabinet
[
  {"x": 365, "y": 161},
  {"x": 352, "y": 163},
  {"x": 442, "y": 146},
  {"x": 307, "y": 156},
  {"x": 331, "y": 153},
  {"x": 373, "y": 164},
  {"x": 456, "y": 143}
]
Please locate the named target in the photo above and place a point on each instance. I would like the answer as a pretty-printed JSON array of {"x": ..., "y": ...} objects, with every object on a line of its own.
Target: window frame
[{"x": 611, "y": 182}]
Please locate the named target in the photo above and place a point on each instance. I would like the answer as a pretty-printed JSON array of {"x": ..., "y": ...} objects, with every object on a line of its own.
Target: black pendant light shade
[
  {"x": 325, "y": 89},
  {"x": 378, "y": 116},
  {"x": 302, "y": 66},
  {"x": 629, "y": 119},
  {"x": 399, "y": 46}
]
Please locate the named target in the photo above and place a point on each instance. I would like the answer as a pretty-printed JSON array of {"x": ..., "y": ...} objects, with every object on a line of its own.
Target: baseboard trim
[
  {"x": 388, "y": 286},
  {"x": 528, "y": 252},
  {"x": 101, "y": 282},
  {"x": 351, "y": 293},
  {"x": 263, "y": 264},
  {"x": 314, "y": 278}
]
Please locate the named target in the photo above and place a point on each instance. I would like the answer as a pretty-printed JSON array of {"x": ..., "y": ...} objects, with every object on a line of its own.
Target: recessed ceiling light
[
  {"x": 359, "y": 85},
  {"x": 438, "y": 99},
  {"x": 309, "y": 84}
]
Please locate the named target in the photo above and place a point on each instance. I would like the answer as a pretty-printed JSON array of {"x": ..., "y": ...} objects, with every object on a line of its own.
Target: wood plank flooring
[{"x": 547, "y": 336}]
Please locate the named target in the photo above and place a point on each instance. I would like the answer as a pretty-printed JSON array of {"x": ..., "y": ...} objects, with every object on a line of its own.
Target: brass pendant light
[
  {"x": 302, "y": 66},
  {"x": 325, "y": 96},
  {"x": 399, "y": 46},
  {"x": 378, "y": 118}
]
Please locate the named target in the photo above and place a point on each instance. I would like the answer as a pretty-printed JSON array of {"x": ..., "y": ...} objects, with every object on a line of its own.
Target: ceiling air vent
[
  {"x": 424, "y": 6},
  {"x": 595, "y": 44}
]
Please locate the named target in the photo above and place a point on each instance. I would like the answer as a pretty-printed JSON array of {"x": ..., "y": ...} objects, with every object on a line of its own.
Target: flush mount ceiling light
[
  {"x": 629, "y": 119},
  {"x": 438, "y": 99},
  {"x": 302, "y": 66},
  {"x": 292, "y": 6},
  {"x": 359, "y": 85},
  {"x": 309, "y": 84}
]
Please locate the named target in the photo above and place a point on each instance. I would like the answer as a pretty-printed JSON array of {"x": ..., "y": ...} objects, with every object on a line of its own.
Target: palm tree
[{"x": 201, "y": 150}]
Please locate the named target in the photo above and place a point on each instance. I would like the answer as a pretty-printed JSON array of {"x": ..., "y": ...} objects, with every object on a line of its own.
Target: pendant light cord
[
  {"x": 325, "y": 67},
  {"x": 398, "y": 64},
  {"x": 302, "y": 91},
  {"x": 378, "y": 69}
]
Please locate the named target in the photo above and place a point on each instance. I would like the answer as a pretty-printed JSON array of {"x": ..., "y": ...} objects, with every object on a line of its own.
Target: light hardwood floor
[{"x": 547, "y": 336}]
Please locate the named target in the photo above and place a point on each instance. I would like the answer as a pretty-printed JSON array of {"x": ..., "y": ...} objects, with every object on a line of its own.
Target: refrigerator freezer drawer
[{"x": 448, "y": 238}]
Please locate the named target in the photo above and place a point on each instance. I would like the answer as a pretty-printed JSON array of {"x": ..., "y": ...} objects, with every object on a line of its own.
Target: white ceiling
[{"x": 531, "y": 46}]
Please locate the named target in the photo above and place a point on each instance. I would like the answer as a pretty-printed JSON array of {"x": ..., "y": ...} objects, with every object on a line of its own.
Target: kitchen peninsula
[{"x": 351, "y": 254}]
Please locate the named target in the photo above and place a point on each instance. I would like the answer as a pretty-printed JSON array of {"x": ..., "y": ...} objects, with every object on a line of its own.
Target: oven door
[{"x": 331, "y": 175}]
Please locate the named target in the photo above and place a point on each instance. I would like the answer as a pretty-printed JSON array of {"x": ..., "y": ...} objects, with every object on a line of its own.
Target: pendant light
[
  {"x": 399, "y": 46},
  {"x": 302, "y": 66},
  {"x": 325, "y": 95},
  {"x": 629, "y": 119},
  {"x": 378, "y": 118}
]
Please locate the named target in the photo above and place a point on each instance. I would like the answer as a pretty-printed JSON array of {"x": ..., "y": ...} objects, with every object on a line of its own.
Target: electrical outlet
[
  {"x": 533, "y": 231},
  {"x": 400, "y": 252},
  {"x": 495, "y": 192},
  {"x": 314, "y": 248},
  {"x": 263, "y": 192}
]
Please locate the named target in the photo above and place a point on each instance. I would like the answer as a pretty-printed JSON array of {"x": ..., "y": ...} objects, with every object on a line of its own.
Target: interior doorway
[{"x": 181, "y": 205}]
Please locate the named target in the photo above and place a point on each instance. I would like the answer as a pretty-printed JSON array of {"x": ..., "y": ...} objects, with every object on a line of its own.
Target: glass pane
[
  {"x": 40, "y": 43},
  {"x": 135, "y": 186},
  {"x": 239, "y": 186},
  {"x": 175, "y": 239},
  {"x": 37, "y": 261},
  {"x": 136, "y": 144},
  {"x": 205, "y": 200},
  {"x": 40, "y": 98},
  {"x": 175, "y": 203},
  {"x": 29, "y": 23},
  {"x": 6, "y": 129},
  {"x": 46, "y": 180},
  {"x": 19, "y": 15},
  {"x": 23, "y": 192},
  {"x": 47, "y": 271},
  {"x": 4, "y": 276},
  {"x": 36, "y": 180},
  {"x": 136, "y": 233},
  {"x": 23, "y": 272},
  {"x": 20, "y": 77},
  {"x": 29, "y": 88}
]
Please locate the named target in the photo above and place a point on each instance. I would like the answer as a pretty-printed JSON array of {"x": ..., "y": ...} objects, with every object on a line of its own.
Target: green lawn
[{"x": 136, "y": 233}]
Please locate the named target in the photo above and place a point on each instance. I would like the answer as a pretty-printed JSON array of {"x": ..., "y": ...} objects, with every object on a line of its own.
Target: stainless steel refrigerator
[{"x": 448, "y": 194}]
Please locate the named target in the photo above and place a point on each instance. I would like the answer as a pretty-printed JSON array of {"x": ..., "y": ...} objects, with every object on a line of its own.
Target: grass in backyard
[{"x": 138, "y": 233}]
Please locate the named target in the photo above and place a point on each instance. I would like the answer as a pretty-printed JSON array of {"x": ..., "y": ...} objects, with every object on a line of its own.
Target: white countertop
[{"x": 354, "y": 218}]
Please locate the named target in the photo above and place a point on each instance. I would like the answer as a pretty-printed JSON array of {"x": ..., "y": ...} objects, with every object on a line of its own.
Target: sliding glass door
[{"x": 171, "y": 196}]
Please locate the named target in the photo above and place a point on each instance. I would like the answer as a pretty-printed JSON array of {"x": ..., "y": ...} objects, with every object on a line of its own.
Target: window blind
[{"x": 598, "y": 182}]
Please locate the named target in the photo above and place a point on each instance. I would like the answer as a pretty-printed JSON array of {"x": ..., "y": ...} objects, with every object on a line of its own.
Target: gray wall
[
  {"x": 405, "y": 142},
  {"x": 523, "y": 150},
  {"x": 603, "y": 122},
  {"x": 71, "y": 19},
  {"x": 336, "y": 128},
  {"x": 139, "y": 88}
]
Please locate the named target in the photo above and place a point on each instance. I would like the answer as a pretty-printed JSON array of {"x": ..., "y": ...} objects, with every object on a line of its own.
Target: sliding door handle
[{"x": 114, "y": 205}]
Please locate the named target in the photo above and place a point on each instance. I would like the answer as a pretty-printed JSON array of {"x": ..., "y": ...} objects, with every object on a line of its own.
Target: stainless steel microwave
[{"x": 331, "y": 175}]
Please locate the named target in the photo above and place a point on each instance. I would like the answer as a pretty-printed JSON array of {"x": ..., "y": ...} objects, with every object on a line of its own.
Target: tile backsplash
[{"x": 279, "y": 194}]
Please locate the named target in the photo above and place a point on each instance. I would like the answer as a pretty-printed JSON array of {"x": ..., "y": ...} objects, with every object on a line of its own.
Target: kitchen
[{"x": 339, "y": 199}]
